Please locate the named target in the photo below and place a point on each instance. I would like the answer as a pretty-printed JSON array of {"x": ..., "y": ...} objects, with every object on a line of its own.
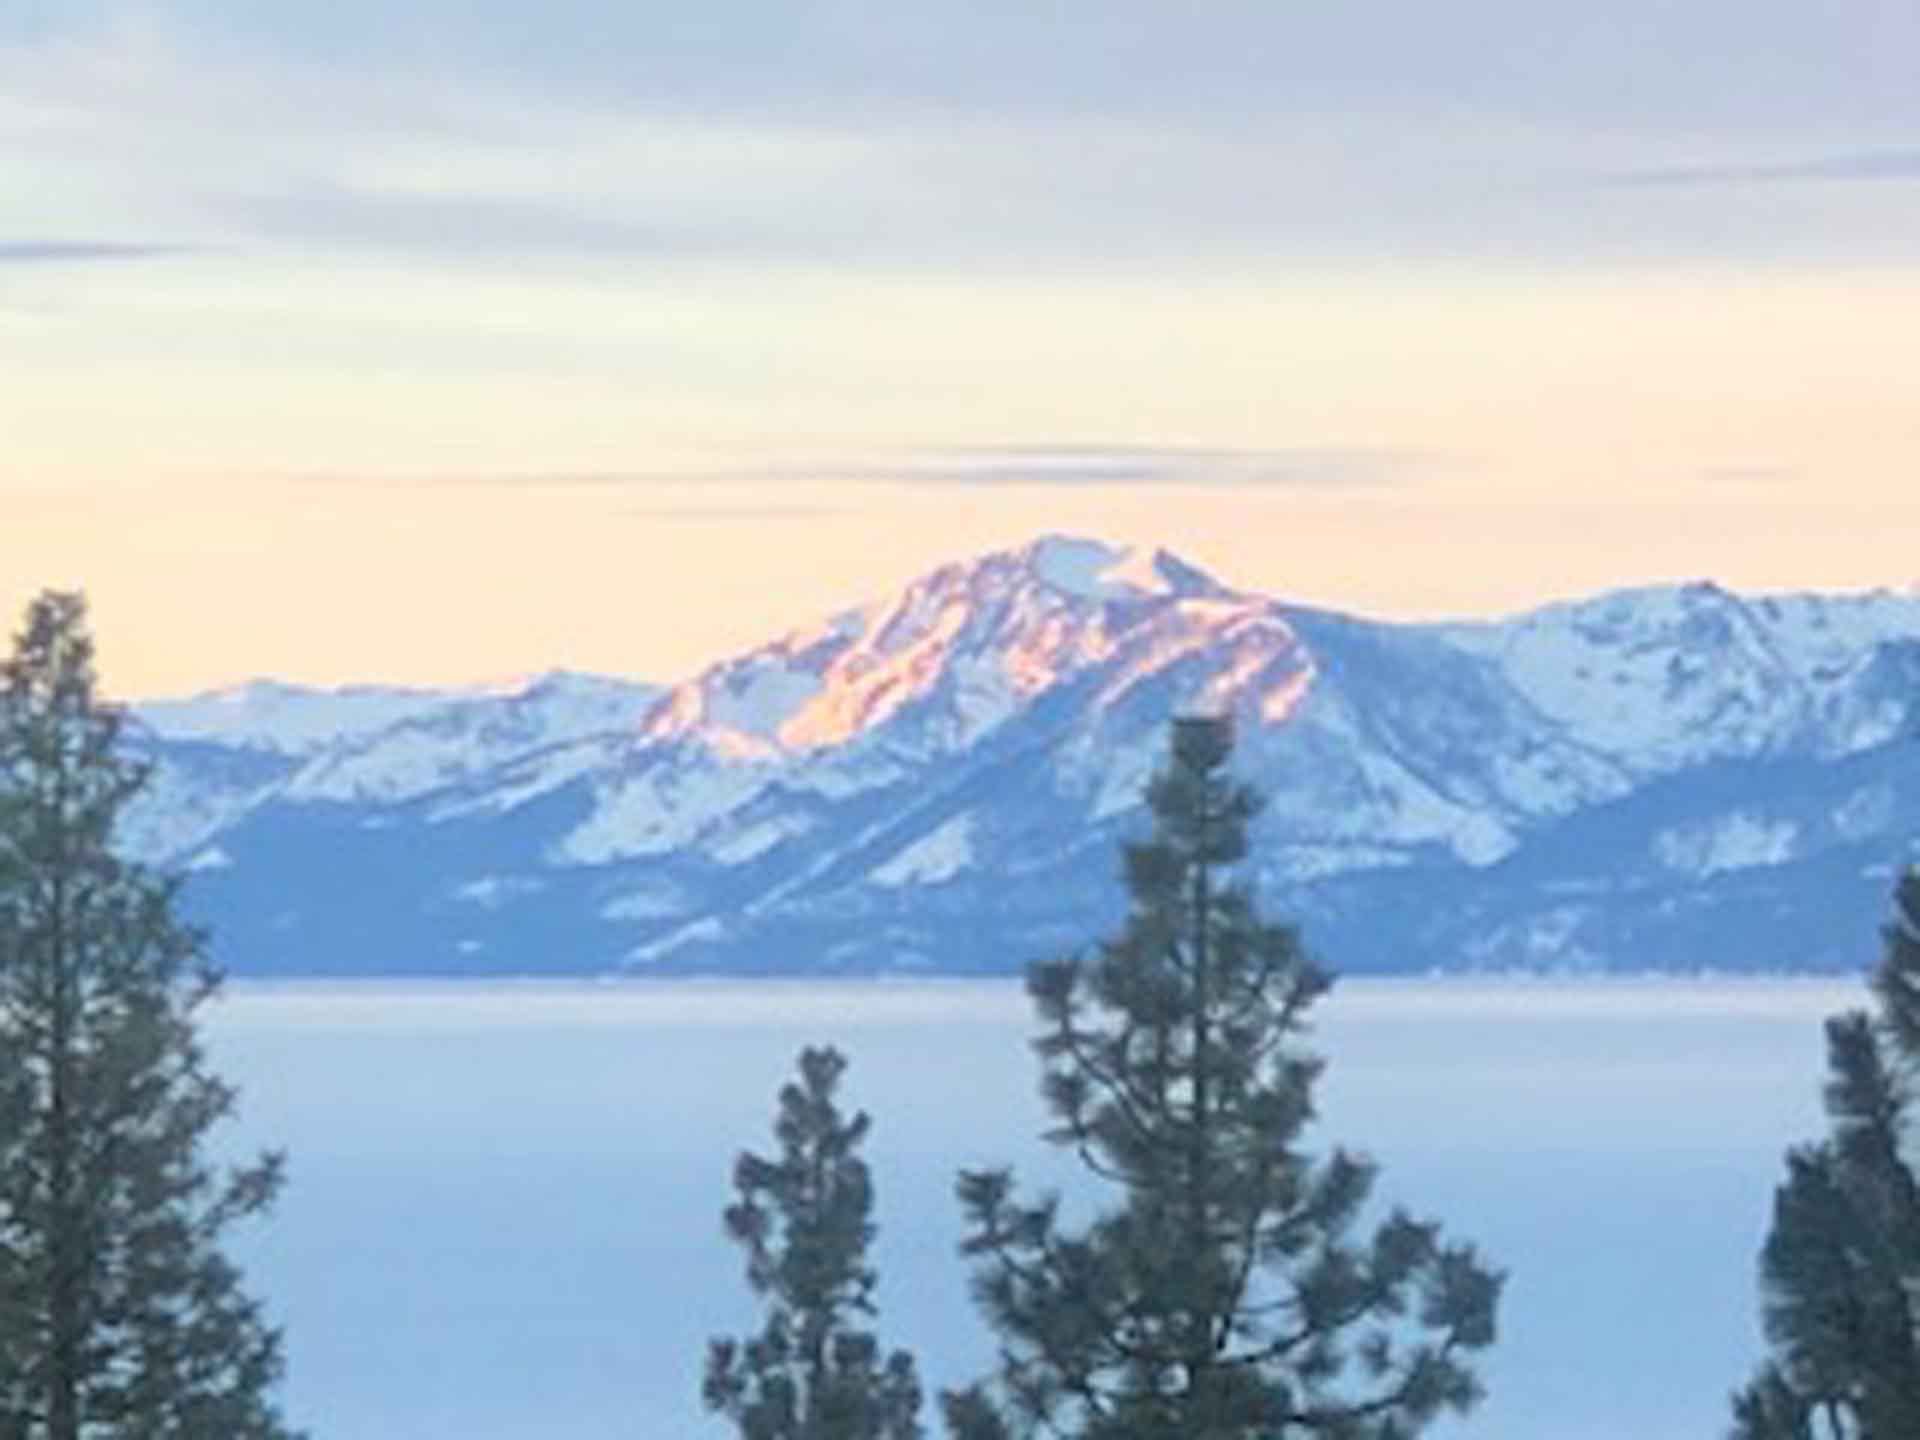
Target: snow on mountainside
[
  {"x": 285, "y": 719},
  {"x": 469, "y": 735},
  {"x": 218, "y": 757},
  {"x": 1675, "y": 675},
  {"x": 941, "y": 779},
  {"x": 978, "y": 640},
  {"x": 865, "y": 702}
]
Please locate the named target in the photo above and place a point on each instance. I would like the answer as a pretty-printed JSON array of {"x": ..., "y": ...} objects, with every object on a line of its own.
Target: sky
[{"x": 464, "y": 339}]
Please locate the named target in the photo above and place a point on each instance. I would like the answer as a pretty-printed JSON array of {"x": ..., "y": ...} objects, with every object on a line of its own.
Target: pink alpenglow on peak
[{"x": 967, "y": 646}]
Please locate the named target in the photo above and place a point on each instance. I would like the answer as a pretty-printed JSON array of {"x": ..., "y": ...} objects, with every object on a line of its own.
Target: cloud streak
[
  {"x": 974, "y": 467},
  {"x": 726, "y": 514},
  {"x": 1307, "y": 467},
  {"x": 982, "y": 140},
  {"x": 1865, "y": 166},
  {"x": 69, "y": 252}
]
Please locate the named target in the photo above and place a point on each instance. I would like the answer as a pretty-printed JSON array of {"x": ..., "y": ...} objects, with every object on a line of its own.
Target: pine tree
[
  {"x": 1840, "y": 1269},
  {"x": 1223, "y": 1295},
  {"x": 804, "y": 1218},
  {"x": 119, "y": 1315}
]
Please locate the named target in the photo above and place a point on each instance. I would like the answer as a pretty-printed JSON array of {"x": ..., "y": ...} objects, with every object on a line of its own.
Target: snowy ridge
[
  {"x": 286, "y": 719},
  {"x": 467, "y": 736},
  {"x": 940, "y": 778},
  {"x": 1670, "y": 675}
]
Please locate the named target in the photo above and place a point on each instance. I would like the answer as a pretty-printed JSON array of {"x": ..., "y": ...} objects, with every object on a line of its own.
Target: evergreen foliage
[
  {"x": 119, "y": 1315},
  {"x": 1225, "y": 1294},
  {"x": 804, "y": 1218},
  {"x": 1840, "y": 1269}
]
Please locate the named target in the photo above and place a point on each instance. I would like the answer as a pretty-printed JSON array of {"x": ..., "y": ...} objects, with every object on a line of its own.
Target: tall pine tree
[
  {"x": 804, "y": 1218},
  {"x": 119, "y": 1315},
  {"x": 1223, "y": 1294},
  {"x": 1840, "y": 1269}
]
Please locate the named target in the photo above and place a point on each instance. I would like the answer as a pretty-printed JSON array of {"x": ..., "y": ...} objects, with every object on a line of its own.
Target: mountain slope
[{"x": 941, "y": 780}]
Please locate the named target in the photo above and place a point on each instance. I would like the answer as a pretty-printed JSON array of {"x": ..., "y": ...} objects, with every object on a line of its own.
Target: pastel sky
[{"x": 458, "y": 339}]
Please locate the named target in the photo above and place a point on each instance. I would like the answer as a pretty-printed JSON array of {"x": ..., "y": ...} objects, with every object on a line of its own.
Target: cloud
[
  {"x": 1724, "y": 63},
  {"x": 951, "y": 134},
  {"x": 502, "y": 480},
  {"x": 58, "y": 252},
  {"x": 723, "y": 514},
  {"x": 1879, "y": 165},
  {"x": 1307, "y": 467},
  {"x": 1301, "y": 468},
  {"x": 328, "y": 214}
]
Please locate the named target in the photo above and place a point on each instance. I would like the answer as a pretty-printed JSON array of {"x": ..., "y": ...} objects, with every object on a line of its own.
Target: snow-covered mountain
[{"x": 1670, "y": 777}]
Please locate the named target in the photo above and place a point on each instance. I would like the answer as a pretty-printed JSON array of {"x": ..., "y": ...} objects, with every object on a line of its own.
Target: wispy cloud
[
  {"x": 1879, "y": 165},
  {"x": 58, "y": 252},
  {"x": 333, "y": 214},
  {"x": 1308, "y": 467},
  {"x": 724, "y": 514},
  {"x": 982, "y": 139},
  {"x": 1089, "y": 466},
  {"x": 506, "y": 479}
]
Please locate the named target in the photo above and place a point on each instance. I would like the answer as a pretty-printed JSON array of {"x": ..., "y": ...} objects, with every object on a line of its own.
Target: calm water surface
[{"x": 503, "y": 1215}]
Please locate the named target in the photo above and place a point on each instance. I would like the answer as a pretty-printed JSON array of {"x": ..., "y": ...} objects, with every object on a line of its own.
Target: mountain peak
[
  {"x": 1094, "y": 570},
  {"x": 967, "y": 646}
]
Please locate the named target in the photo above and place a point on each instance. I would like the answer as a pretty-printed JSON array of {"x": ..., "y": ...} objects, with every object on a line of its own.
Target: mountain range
[{"x": 1668, "y": 778}]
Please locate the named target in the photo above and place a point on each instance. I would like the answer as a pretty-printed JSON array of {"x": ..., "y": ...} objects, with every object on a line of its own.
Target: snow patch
[
  {"x": 1548, "y": 940},
  {"x": 1093, "y": 570},
  {"x": 752, "y": 841},
  {"x": 1740, "y": 841},
  {"x": 512, "y": 787},
  {"x": 838, "y": 774},
  {"x": 730, "y": 744},
  {"x": 663, "y": 808},
  {"x": 490, "y": 892},
  {"x": 1865, "y": 813},
  {"x": 654, "y": 900},
  {"x": 869, "y": 683},
  {"x": 939, "y": 855},
  {"x": 1317, "y": 862},
  {"x": 1284, "y": 696},
  {"x": 1051, "y": 646},
  {"x": 1480, "y": 840},
  {"x": 706, "y": 929},
  {"x": 1084, "y": 568},
  {"x": 176, "y": 813}
]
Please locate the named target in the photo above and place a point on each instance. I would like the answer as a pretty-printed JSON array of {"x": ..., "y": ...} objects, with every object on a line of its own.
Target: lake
[{"x": 502, "y": 1221}]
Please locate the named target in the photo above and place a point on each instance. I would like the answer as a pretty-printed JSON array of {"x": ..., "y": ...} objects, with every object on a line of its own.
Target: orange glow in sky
[{"x": 339, "y": 354}]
